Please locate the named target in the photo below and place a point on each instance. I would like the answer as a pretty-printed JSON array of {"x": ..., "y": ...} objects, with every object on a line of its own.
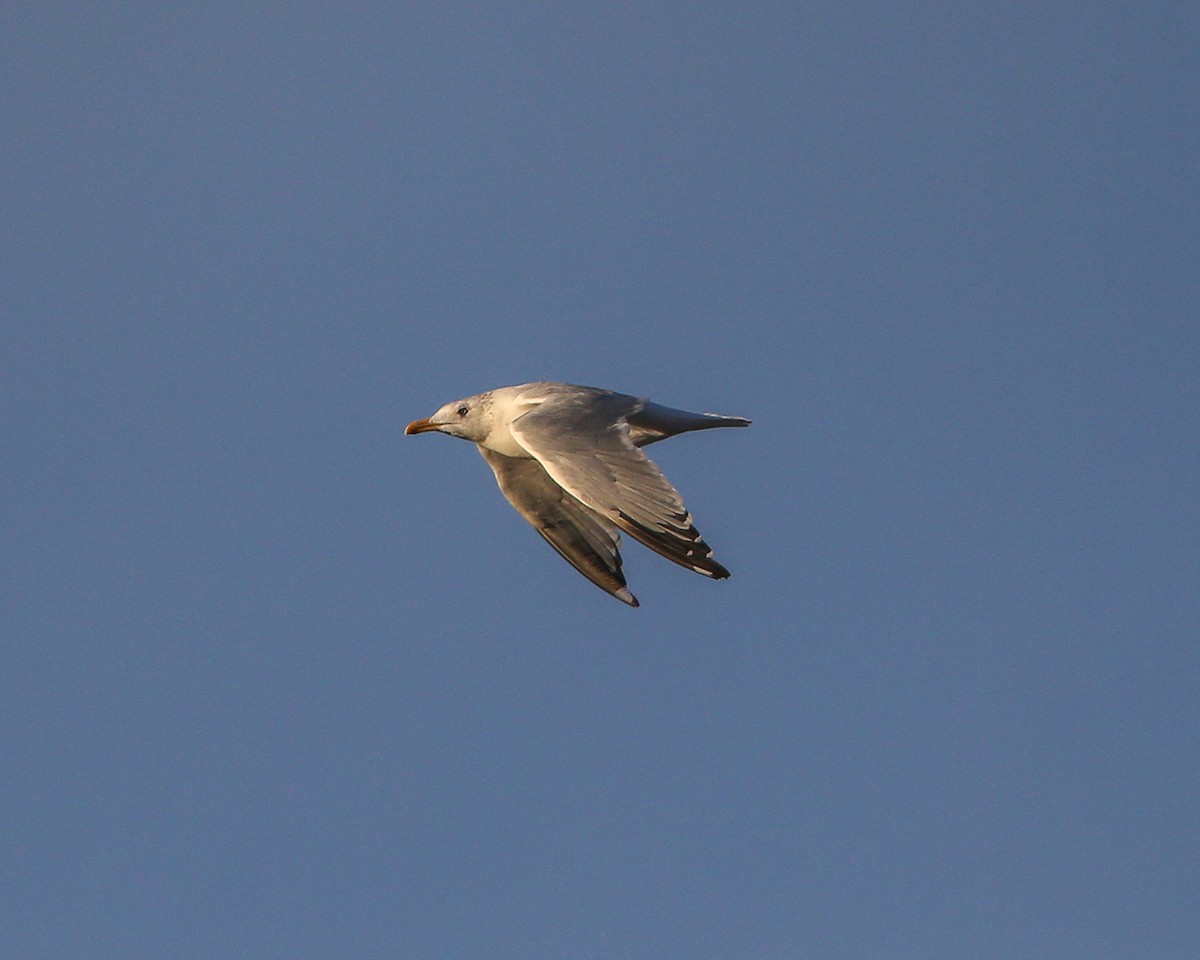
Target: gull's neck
[{"x": 507, "y": 404}]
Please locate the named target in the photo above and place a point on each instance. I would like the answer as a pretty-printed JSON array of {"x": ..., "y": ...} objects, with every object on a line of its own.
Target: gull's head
[{"x": 470, "y": 418}]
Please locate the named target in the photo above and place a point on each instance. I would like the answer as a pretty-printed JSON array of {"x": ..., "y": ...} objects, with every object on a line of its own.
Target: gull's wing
[
  {"x": 582, "y": 440},
  {"x": 582, "y": 537}
]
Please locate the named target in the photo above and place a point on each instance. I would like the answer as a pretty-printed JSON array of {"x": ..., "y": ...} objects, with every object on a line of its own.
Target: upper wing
[
  {"x": 581, "y": 536},
  {"x": 584, "y": 444}
]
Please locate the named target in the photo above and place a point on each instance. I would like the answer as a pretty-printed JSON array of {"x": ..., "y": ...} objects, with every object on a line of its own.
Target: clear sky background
[{"x": 279, "y": 682}]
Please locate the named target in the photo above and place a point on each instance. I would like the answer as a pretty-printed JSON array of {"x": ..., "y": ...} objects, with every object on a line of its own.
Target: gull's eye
[{"x": 463, "y": 410}]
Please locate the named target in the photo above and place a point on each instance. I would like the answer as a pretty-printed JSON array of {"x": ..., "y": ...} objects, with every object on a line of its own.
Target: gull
[{"x": 568, "y": 458}]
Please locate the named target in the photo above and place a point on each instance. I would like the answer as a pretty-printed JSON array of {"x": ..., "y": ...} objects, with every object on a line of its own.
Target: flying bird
[{"x": 568, "y": 458}]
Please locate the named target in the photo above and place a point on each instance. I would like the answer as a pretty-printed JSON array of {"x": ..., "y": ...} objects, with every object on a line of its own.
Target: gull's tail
[{"x": 655, "y": 422}]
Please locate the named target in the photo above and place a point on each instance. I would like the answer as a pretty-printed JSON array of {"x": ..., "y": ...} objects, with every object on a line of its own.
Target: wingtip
[{"x": 713, "y": 570}]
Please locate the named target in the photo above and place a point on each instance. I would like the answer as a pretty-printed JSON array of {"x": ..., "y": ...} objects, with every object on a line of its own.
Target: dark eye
[{"x": 463, "y": 410}]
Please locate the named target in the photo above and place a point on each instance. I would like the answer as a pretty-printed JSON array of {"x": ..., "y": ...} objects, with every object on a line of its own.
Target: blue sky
[{"x": 278, "y": 681}]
